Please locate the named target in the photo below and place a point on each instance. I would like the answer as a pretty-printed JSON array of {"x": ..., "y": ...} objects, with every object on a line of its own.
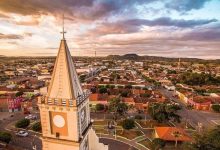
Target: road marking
[{"x": 217, "y": 122}]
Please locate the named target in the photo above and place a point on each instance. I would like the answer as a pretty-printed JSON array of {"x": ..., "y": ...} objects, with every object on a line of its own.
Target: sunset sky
[{"x": 169, "y": 28}]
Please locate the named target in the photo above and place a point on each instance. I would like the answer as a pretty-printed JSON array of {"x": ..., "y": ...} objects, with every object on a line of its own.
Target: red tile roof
[{"x": 167, "y": 133}]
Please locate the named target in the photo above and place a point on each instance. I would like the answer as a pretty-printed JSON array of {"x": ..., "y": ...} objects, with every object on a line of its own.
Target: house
[
  {"x": 200, "y": 102},
  {"x": 167, "y": 134},
  {"x": 128, "y": 100}
]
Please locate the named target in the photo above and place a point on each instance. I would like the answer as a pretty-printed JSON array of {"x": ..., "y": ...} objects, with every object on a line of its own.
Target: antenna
[{"x": 63, "y": 32}]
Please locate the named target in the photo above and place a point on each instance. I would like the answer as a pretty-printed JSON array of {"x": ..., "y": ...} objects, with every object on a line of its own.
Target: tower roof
[{"x": 64, "y": 83}]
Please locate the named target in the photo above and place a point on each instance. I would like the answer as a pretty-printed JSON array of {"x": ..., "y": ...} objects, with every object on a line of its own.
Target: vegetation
[
  {"x": 138, "y": 117},
  {"x": 112, "y": 86},
  {"x": 124, "y": 94},
  {"x": 5, "y": 137},
  {"x": 20, "y": 93},
  {"x": 164, "y": 112},
  {"x": 129, "y": 86},
  {"x": 99, "y": 107},
  {"x": 37, "y": 127},
  {"x": 216, "y": 107},
  {"x": 210, "y": 140},
  {"x": 157, "y": 144},
  {"x": 128, "y": 124},
  {"x": 171, "y": 72},
  {"x": 145, "y": 95},
  {"x": 198, "y": 79},
  {"x": 23, "y": 123},
  {"x": 82, "y": 78},
  {"x": 117, "y": 108},
  {"x": 103, "y": 90}
]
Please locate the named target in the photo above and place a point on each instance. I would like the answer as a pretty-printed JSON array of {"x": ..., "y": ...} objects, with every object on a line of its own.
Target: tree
[
  {"x": 99, "y": 107},
  {"x": 20, "y": 93},
  {"x": 23, "y": 123},
  {"x": 120, "y": 86},
  {"x": 103, "y": 90},
  {"x": 163, "y": 112},
  {"x": 37, "y": 127},
  {"x": 157, "y": 144},
  {"x": 82, "y": 78},
  {"x": 145, "y": 95},
  {"x": 216, "y": 107},
  {"x": 112, "y": 86},
  {"x": 209, "y": 140},
  {"x": 124, "y": 94},
  {"x": 5, "y": 137},
  {"x": 129, "y": 86},
  {"x": 117, "y": 108},
  {"x": 107, "y": 86},
  {"x": 128, "y": 124}
]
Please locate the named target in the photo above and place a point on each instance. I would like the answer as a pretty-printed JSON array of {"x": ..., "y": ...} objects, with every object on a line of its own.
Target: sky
[{"x": 168, "y": 28}]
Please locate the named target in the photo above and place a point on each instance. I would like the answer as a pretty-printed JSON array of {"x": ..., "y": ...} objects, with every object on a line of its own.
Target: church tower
[{"x": 64, "y": 111}]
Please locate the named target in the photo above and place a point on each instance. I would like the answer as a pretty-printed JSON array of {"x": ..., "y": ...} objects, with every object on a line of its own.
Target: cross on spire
[{"x": 63, "y": 32}]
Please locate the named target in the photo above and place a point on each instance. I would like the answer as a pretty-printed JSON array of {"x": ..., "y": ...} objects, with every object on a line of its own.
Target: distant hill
[{"x": 157, "y": 58}]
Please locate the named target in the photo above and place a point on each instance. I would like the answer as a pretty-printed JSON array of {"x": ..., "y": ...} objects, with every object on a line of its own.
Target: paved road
[
  {"x": 116, "y": 145},
  {"x": 194, "y": 116},
  {"x": 19, "y": 143}
]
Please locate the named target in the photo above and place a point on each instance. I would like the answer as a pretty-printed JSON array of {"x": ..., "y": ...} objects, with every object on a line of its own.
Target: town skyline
[{"x": 173, "y": 28}]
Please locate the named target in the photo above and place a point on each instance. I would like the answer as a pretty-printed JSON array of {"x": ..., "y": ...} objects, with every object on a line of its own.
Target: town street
[{"x": 194, "y": 117}]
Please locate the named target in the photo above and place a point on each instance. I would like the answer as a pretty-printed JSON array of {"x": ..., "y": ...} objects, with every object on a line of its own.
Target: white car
[
  {"x": 22, "y": 133},
  {"x": 32, "y": 117}
]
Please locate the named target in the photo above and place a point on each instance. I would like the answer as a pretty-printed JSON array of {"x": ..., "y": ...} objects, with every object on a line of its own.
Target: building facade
[{"x": 64, "y": 111}]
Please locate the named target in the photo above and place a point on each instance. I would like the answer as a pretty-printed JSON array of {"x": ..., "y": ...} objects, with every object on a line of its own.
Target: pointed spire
[
  {"x": 63, "y": 32},
  {"x": 65, "y": 82}
]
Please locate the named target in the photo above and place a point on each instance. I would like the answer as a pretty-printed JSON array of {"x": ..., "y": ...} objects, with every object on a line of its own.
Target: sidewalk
[{"x": 124, "y": 140}]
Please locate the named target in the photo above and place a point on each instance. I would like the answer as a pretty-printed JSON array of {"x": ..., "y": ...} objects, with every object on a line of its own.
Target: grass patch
[
  {"x": 100, "y": 122},
  {"x": 129, "y": 134},
  {"x": 100, "y": 131}
]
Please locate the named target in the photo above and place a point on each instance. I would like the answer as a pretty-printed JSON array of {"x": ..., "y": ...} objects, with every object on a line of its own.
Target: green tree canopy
[
  {"x": 23, "y": 123},
  {"x": 128, "y": 124},
  {"x": 37, "y": 127},
  {"x": 5, "y": 137},
  {"x": 117, "y": 108}
]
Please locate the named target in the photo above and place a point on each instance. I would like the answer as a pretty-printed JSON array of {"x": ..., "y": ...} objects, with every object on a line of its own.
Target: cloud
[
  {"x": 134, "y": 25},
  {"x": 10, "y": 36},
  {"x": 165, "y": 21},
  {"x": 186, "y": 5}
]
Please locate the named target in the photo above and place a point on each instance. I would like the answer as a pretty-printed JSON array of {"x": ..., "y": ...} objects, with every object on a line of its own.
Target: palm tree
[{"x": 176, "y": 134}]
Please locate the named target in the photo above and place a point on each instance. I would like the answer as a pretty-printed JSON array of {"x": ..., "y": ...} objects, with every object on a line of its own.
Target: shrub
[
  {"x": 5, "y": 137},
  {"x": 128, "y": 86},
  {"x": 216, "y": 107},
  {"x": 158, "y": 143},
  {"x": 138, "y": 117},
  {"x": 120, "y": 86},
  {"x": 99, "y": 107},
  {"x": 20, "y": 93},
  {"x": 107, "y": 86},
  {"x": 124, "y": 94},
  {"x": 23, "y": 123},
  {"x": 128, "y": 124},
  {"x": 112, "y": 86},
  {"x": 103, "y": 90},
  {"x": 37, "y": 127}
]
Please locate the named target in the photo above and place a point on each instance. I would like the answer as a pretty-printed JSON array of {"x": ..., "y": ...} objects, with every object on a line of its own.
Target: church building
[{"x": 64, "y": 111}]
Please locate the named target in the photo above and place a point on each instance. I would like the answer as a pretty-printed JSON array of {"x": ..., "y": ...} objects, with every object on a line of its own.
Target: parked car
[
  {"x": 22, "y": 133},
  {"x": 31, "y": 117}
]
